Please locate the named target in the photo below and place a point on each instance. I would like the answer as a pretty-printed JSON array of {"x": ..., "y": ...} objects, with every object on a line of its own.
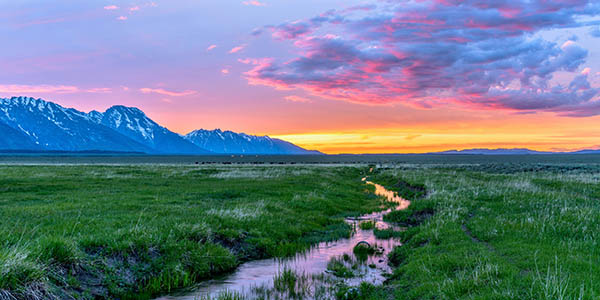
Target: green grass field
[
  {"x": 130, "y": 231},
  {"x": 500, "y": 232},
  {"x": 474, "y": 231}
]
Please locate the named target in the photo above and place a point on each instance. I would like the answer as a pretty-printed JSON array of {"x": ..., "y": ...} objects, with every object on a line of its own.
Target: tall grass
[
  {"x": 500, "y": 232},
  {"x": 138, "y": 231}
]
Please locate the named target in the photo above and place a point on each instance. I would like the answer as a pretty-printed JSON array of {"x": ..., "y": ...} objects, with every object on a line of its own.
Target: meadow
[
  {"x": 512, "y": 229},
  {"x": 527, "y": 231},
  {"x": 138, "y": 231}
]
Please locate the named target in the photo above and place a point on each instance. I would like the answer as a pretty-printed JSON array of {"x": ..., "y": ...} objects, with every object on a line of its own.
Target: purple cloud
[{"x": 481, "y": 54}]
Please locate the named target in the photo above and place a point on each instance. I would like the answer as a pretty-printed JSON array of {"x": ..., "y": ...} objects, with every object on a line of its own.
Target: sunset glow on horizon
[{"x": 336, "y": 76}]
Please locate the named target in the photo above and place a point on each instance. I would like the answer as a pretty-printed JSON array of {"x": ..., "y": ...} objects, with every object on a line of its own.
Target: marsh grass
[
  {"x": 139, "y": 231},
  {"x": 367, "y": 225},
  {"x": 340, "y": 266},
  {"x": 499, "y": 231},
  {"x": 520, "y": 229}
]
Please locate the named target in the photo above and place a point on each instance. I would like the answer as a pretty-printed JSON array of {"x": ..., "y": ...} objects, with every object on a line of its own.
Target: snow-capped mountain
[
  {"x": 52, "y": 127},
  {"x": 229, "y": 142},
  {"x": 11, "y": 138},
  {"x": 134, "y": 123},
  {"x": 36, "y": 125}
]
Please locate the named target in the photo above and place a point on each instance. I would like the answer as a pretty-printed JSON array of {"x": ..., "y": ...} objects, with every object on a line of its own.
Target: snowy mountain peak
[
  {"x": 130, "y": 119},
  {"x": 96, "y": 116},
  {"x": 53, "y": 127},
  {"x": 34, "y": 124},
  {"x": 133, "y": 123},
  {"x": 229, "y": 142}
]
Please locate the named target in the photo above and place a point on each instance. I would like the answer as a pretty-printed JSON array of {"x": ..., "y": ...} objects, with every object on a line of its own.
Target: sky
[{"x": 379, "y": 76}]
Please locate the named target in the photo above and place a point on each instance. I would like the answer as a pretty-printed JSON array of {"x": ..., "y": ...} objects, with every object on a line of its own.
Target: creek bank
[{"x": 319, "y": 272}]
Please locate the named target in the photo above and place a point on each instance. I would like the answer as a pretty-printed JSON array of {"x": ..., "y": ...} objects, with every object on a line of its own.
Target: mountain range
[{"x": 29, "y": 124}]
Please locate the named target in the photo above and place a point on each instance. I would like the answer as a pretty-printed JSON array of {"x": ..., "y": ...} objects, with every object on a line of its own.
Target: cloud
[
  {"x": 412, "y": 137},
  {"x": 290, "y": 31},
  {"x": 15, "y": 89},
  {"x": 237, "y": 49},
  {"x": 40, "y": 22},
  {"x": 294, "y": 98},
  {"x": 254, "y": 3},
  {"x": 134, "y": 9},
  {"x": 37, "y": 89},
  {"x": 111, "y": 7},
  {"x": 225, "y": 71},
  {"x": 586, "y": 71},
  {"x": 167, "y": 93},
  {"x": 478, "y": 54},
  {"x": 99, "y": 90},
  {"x": 122, "y": 18},
  {"x": 211, "y": 47}
]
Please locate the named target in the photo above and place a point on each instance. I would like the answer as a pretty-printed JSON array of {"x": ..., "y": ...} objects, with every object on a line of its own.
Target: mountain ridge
[
  {"x": 30, "y": 124},
  {"x": 510, "y": 151},
  {"x": 240, "y": 143}
]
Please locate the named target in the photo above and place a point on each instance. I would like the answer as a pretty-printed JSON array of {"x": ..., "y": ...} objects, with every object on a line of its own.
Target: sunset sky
[{"x": 337, "y": 76}]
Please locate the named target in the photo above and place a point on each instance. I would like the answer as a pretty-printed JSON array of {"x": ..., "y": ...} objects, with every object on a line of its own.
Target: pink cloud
[
  {"x": 254, "y": 3},
  {"x": 237, "y": 49},
  {"x": 431, "y": 53},
  {"x": 167, "y": 93},
  {"x": 111, "y": 7},
  {"x": 211, "y": 47},
  {"x": 134, "y": 9},
  {"x": 586, "y": 71},
  {"x": 40, "y": 22},
  {"x": 122, "y": 18},
  {"x": 294, "y": 98},
  {"x": 100, "y": 90},
  {"x": 36, "y": 89}
]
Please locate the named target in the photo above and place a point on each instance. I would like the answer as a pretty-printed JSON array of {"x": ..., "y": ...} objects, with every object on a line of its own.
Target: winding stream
[{"x": 259, "y": 273}]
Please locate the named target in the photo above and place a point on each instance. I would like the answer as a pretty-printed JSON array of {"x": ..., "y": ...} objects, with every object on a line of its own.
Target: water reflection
[{"x": 261, "y": 272}]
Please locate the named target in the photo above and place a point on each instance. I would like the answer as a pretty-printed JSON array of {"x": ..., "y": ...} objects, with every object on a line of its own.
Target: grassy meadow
[
  {"x": 498, "y": 231},
  {"x": 473, "y": 231},
  {"x": 137, "y": 231}
]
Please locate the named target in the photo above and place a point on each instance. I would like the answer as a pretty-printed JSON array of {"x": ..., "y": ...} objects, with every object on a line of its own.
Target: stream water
[{"x": 260, "y": 273}]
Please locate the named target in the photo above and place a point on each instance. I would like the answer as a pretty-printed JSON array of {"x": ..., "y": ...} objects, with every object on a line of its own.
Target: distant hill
[
  {"x": 34, "y": 125},
  {"x": 511, "y": 151}
]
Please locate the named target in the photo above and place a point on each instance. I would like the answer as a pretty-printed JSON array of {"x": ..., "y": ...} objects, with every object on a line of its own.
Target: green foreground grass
[
  {"x": 481, "y": 231},
  {"x": 137, "y": 231},
  {"x": 498, "y": 232}
]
